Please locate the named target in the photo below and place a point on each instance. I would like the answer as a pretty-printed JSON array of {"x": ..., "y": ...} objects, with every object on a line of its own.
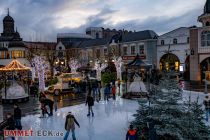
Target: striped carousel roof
[{"x": 15, "y": 65}]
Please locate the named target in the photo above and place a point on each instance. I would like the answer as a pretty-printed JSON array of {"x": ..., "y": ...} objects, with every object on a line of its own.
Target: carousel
[{"x": 15, "y": 83}]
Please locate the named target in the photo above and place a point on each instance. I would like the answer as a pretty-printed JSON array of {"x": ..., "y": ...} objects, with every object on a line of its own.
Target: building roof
[
  {"x": 136, "y": 36},
  {"x": 15, "y": 65},
  {"x": 8, "y": 18},
  {"x": 73, "y": 35},
  {"x": 180, "y": 28},
  {"x": 207, "y": 7}
]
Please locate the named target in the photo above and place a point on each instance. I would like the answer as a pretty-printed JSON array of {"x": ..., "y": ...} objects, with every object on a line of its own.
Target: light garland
[
  {"x": 99, "y": 67},
  {"x": 74, "y": 65},
  {"x": 118, "y": 64},
  {"x": 40, "y": 67}
]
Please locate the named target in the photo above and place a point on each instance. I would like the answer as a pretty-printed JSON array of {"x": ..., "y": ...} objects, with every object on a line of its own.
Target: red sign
[{"x": 133, "y": 57}]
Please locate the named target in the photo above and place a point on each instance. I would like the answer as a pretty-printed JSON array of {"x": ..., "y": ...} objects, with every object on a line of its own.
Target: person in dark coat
[
  {"x": 131, "y": 134},
  {"x": 48, "y": 102},
  {"x": 90, "y": 103},
  {"x": 70, "y": 126},
  {"x": 10, "y": 123},
  {"x": 42, "y": 96},
  {"x": 17, "y": 117},
  {"x": 206, "y": 103},
  {"x": 107, "y": 92}
]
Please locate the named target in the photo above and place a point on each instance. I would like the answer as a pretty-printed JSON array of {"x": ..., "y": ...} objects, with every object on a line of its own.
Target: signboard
[{"x": 133, "y": 57}]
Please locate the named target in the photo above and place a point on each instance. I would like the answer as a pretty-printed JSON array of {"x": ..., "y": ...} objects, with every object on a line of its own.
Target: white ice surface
[
  {"x": 111, "y": 119},
  {"x": 110, "y": 122}
]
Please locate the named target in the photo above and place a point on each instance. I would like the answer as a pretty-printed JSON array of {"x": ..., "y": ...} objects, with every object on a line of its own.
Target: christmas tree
[{"x": 166, "y": 116}]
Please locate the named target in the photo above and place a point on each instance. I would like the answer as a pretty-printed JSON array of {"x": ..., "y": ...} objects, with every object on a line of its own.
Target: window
[
  {"x": 175, "y": 41},
  {"x": 205, "y": 38},
  {"x": 133, "y": 50},
  {"x": 18, "y": 54},
  {"x": 105, "y": 51},
  {"x": 97, "y": 35},
  {"x": 162, "y": 42},
  {"x": 141, "y": 49},
  {"x": 97, "y": 53},
  {"x": 188, "y": 40},
  {"x": 2, "y": 54},
  {"x": 207, "y": 23},
  {"x": 125, "y": 51}
]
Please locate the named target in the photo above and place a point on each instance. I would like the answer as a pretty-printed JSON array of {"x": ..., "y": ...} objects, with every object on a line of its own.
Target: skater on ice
[
  {"x": 90, "y": 103},
  {"x": 17, "y": 117}
]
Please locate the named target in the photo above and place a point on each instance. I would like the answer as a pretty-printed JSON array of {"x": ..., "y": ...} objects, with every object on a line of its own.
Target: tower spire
[{"x": 8, "y": 11}]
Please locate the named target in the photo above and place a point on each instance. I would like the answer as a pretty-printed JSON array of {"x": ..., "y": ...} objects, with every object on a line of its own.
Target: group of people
[{"x": 12, "y": 121}]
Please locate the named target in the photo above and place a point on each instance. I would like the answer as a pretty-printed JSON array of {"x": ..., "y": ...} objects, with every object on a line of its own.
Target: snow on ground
[{"x": 111, "y": 121}]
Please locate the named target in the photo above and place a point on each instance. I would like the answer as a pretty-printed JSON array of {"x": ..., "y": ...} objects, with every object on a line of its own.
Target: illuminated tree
[
  {"x": 99, "y": 67},
  {"x": 40, "y": 68},
  {"x": 118, "y": 64},
  {"x": 74, "y": 65}
]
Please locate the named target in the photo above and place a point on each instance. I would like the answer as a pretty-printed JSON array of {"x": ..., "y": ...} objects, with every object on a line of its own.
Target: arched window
[
  {"x": 175, "y": 41},
  {"x": 205, "y": 38},
  {"x": 207, "y": 23}
]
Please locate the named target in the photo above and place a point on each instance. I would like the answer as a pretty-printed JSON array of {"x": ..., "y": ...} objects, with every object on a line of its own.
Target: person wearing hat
[
  {"x": 206, "y": 103},
  {"x": 70, "y": 126},
  {"x": 131, "y": 134}
]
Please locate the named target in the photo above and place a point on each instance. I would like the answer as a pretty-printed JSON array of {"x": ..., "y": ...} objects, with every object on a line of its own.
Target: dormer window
[
  {"x": 162, "y": 42},
  {"x": 175, "y": 41}
]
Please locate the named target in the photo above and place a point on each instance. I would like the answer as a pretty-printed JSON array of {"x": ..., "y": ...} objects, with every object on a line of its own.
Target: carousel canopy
[
  {"x": 15, "y": 65},
  {"x": 137, "y": 62}
]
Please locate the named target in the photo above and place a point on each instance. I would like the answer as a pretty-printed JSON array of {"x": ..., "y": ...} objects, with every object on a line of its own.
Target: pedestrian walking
[
  {"x": 10, "y": 123},
  {"x": 70, "y": 126},
  {"x": 206, "y": 102},
  {"x": 131, "y": 134},
  {"x": 17, "y": 117},
  {"x": 106, "y": 92},
  {"x": 114, "y": 92},
  {"x": 42, "y": 96},
  {"x": 90, "y": 103},
  {"x": 99, "y": 90}
]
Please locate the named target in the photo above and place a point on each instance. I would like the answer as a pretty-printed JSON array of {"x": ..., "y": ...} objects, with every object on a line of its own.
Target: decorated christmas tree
[{"x": 165, "y": 116}]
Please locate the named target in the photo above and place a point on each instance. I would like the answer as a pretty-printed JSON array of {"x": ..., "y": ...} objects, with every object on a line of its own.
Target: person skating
[
  {"x": 131, "y": 134},
  {"x": 114, "y": 92},
  {"x": 44, "y": 110},
  {"x": 49, "y": 103},
  {"x": 70, "y": 126},
  {"x": 90, "y": 103},
  {"x": 10, "y": 123},
  {"x": 106, "y": 92},
  {"x": 206, "y": 102},
  {"x": 17, "y": 117}
]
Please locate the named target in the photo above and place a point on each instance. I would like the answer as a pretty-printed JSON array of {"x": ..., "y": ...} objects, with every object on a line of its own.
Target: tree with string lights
[
  {"x": 40, "y": 68},
  {"x": 74, "y": 65},
  {"x": 118, "y": 64},
  {"x": 99, "y": 67}
]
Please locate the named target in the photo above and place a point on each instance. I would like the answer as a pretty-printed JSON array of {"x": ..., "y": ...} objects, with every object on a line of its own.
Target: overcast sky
[{"x": 43, "y": 19}]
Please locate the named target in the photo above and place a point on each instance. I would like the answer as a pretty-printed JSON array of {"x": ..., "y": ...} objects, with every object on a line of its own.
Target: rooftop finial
[
  {"x": 8, "y": 11},
  {"x": 16, "y": 29}
]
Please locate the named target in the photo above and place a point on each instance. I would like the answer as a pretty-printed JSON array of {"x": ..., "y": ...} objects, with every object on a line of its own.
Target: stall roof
[{"x": 137, "y": 62}]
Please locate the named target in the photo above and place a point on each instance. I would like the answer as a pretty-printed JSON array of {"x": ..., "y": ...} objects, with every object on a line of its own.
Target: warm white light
[
  {"x": 62, "y": 63},
  {"x": 99, "y": 67},
  {"x": 74, "y": 65}
]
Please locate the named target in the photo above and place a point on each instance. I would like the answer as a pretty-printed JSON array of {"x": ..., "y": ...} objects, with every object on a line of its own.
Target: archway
[
  {"x": 205, "y": 66},
  {"x": 169, "y": 61}
]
